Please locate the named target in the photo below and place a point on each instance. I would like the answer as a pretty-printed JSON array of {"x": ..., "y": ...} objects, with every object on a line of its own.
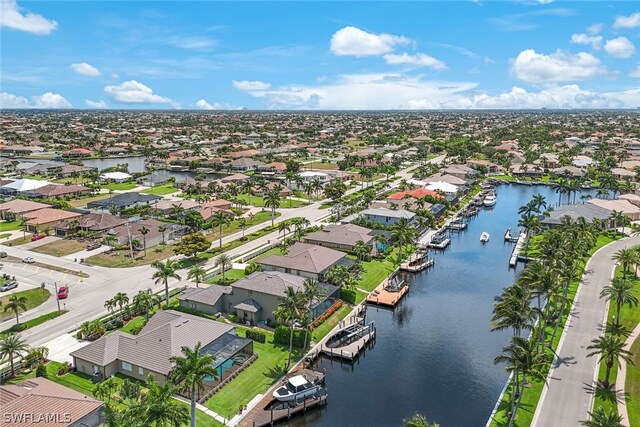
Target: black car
[{"x": 8, "y": 286}]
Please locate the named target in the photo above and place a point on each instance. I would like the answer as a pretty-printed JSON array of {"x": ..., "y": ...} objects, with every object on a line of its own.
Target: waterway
[{"x": 434, "y": 353}]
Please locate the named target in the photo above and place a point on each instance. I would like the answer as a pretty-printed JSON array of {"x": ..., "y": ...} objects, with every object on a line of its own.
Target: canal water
[{"x": 434, "y": 353}]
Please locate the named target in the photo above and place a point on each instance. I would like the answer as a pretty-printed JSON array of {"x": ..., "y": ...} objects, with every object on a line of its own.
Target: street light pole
[{"x": 57, "y": 299}]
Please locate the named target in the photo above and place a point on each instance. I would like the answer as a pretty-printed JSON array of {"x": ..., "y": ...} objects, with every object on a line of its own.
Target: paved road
[
  {"x": 87, "y": 296},
  {"x": 568, "y": 396}
]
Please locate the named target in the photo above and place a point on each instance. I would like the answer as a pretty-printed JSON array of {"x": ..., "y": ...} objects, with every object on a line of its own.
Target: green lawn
[
  {"x": 120, "y": 186},
  {"x": 257, "y": 378},
  {"x": 10, "y": 225},
  {"x": 532, "y": 394},
  {"x": 34, "y": 297},
  {"x": 375, "y": 271},
  {"x": 259, "y": 201},
  {"x": 161, "y": 190},
  {"x": 326, "y": 327},
  {"x": 19, "y": 241},
  {"x": 632, "y": 386},
  {"x": 133, "y": 323},
  {"x": 33, "y": 322},
  {"x": 230, "y": 276}
]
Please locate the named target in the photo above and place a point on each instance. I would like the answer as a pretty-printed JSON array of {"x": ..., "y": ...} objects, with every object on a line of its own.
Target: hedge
[
  {"x": 282, "y": 335},
  {"x": 257, "y": 336},
  {"x": 348, "y": 295}
]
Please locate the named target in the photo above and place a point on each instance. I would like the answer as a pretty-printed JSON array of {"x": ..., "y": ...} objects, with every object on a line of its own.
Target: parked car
[
  {"x": 94, "y": 245},
  {"x": 38, "y": 237},
  {"x": 3, "y": 254},
  {"x": 8, "y": 286},
  {"x": 63, "y": 292},
  {"x": 28, "y": 260}
]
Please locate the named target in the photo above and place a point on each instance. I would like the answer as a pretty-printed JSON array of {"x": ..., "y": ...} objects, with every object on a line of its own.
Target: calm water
[
  {"x": 136, "y": 163},
  {"x": 434, "y": 353}
]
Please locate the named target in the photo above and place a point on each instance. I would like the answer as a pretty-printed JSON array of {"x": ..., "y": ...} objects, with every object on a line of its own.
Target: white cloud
[
  {"x": 85, "y": 69},
  {"x": 96, "y": 104},
  {"x": 595, "y": 28},
  {"x": 545, "y": 1},
  {"x": 134, "y": 92},
  {"x": 417, "y": 60},
  {"x": 352, "y": 41},
  {"x": 538, "y": 68},
  {"x": 191, "y": 42},
  {"x": 586, "y": 39},
  {"x": 620, "y": 47},
  {"x": 8, "y": 100},
  {"x": 635, "y": 73},
  {"x": 204, "y": 105},
  {"x": 11, "y": 16},
  {"x": 50, "y": 100},
  {"x": 246, "y": 85},
  {"x": 631, "y": 21}
]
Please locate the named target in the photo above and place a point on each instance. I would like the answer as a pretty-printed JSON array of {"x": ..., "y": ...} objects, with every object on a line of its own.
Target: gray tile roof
[
  {"x": 163, "y": 336},
  {"x": 305, "y": 257},
  {"x": 344, "y": 234},
  {"x": 587, "y": 211},
  {"x": 207, "y": 295},
  {"x": 250, "y": 305},
  {"x": 276, "y": 283},
  {"x": 388, "y": 212}
]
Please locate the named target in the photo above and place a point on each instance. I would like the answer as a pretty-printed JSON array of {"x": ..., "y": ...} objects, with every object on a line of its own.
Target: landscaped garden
[
  {"x": 32, "y": 299},
  {"x": 10, "y": 225},
  {"x": 161, "y": 190}
]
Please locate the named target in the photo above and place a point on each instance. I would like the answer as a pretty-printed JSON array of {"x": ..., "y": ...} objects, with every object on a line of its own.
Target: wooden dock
[
  {"x": 351, "y": 351},
  {"x": 388, "y": 298},
  {"x": 265, "y": 414},
  {"x": 517, "y": 249}
]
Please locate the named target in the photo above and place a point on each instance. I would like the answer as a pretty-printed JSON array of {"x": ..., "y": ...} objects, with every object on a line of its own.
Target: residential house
[
  {"x": 587, "y": 211},
  {"x": 55, "y": 191},
  {"x": 17, "y": 208},
  {"x": 245, "y": 164},
  {"x": 236, "y": 178},
  {"x": 382, "y": 216},
  {"x": 96, "y": 222},
  {"x": 48, "y": 218},
  {"x": 629, "y": 210},
  {"x": 150, "y": 352},
  {"x": 154, "y": 236},
  {"x": 341, "y": 236},
  {"x": 305, "y": 260},
  {"x": 124, "y": 201},
  {"x": 23, "y": 186}
]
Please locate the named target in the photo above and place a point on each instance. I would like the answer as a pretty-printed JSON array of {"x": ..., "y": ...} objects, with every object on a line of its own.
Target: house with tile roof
[
  {"x": 305, "y": 260},
  {"x": 340, "y": 236}
]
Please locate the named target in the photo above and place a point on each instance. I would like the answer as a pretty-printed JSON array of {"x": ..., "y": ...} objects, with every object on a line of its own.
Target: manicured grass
[
  {"x": 257, "y": 378},
  {"x": 120, "y": 186},
  {"x": 10, "y": 225},
  {"x": 132, "y": 324},
  {"x": 33, "y": 322},
  {"x": 531, "y": 249},
  {"x": 531, "y": 395},
  {"x": 230, "y": 276},
  {"x": 82, "y": 201},
  {"x": 273, "y": 251},
  {"x": 34, "y": 297},
  {"x": 259, "y": 201},
  {"x": 260, "y": 217},
  {"x": 161, "y": 190},
  {"x": 375, "y": 271},
  {"x": 60, "y": 247},
  {"x": 19, "y": 241},
  {"x": 632, "y": 386},
  {"x": 326, "y": 327}
]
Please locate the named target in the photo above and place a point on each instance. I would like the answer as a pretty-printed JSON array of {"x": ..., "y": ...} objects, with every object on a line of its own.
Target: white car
[{"x": 28, "y": 260}]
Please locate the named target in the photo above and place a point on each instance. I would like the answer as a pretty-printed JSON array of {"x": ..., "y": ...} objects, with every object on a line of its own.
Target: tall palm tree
[
  {"x": 224, "y": 262},
  {"x": 144, "y": 231},
  {"x": 272, "y": 200},
  {"x": 165, "y": 271},
  {"x": 290, "y": 308},
  {"x": 121, "y": 299},
  {"x": 189, "y": 372},
  {"x": 627, "y": 258},
  {"x": 602, "y": 418},
  {"x": 143, "y": 302},
  {"x": 162, "y": 229},
  {"x": 242, "y": 223},
  {"x": 110, "y": 305},
  {"x": 531, "y": 224},
  {"x": 16, "y": 304},
  {"x": 620, "y": 290},
  {"x": 283, "y": 228},
  {"x": 157, "y": 407},
  {"x": 404, "y": 233},
  {"x": 12, "y": 346},
  {"x": 197, "y": 274},
  {"x": 220, "y": 219},
  {"x": 610, "y": 349},
  {"x": 311, "y": 294}
]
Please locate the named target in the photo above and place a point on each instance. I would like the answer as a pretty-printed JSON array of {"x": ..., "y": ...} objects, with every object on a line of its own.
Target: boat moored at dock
[{"x": 297, "y": 388}]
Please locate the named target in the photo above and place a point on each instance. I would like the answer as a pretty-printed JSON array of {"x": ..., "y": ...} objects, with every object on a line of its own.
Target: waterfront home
[
  {"x": 460, "y": 171},
  {"x": 526, "y": 170},
  {"x": 587, "y": 211},
  {"x": 124, "y": 201},
  {"x": 305, "y": 260},
  {"x": 115, "y": 176},
  {"x": 22, "y": 186},
  {"x": 443, "y": 187},
  {"x": 382, "y": 216},
  {"x": 254, "y": 298},
  {"x": 629, "y": 210},
  {"x": 78, "y": 152},
  {"x": 449, "y": 179},
  {"x": 620, "y": 173},
  {"x": 245, "y": 164},
  {"x": 418, "y": 193},
  {"x": 54, "y": 191},
  {"x": 342, "y": 236},
  {"x": 571, "y": 171},
  {"x": 17, "y": 208},
  {"x": 492, "y": 168},
  {"x": 39, "y": 401},
  {"x": 48, "y": 218},
  {"x": 236, "y": 178},
  {"x": 582, "y": 161},
  {"x": 163, "y": 337},
  {"x": 276, "y": 167},
  {"x": 631, "y": 198}
]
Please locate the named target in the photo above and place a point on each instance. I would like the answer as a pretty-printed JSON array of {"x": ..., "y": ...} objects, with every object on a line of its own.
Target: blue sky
[{"x": 320, "y": 55}]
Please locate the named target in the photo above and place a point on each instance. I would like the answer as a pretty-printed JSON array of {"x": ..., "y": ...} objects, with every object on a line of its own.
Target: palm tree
[
  {"x": 611, "y": 349},
  {"x": 311, "y": 294},
  {"x": 290, "y": 308},
  {"x": 165, "y": 271},
  {"x": 621, "y": 291},
  {"x": 157, "y": 407},
  {"x": 531, "y": 224},
  {"x": 404, "y": 233},
  {"x": 162, "y": 229},
  {"x": 362, "y": 250},
  {"x": 620, "y": 219},
  {"x": 12, "y": 346},
  {"x": 197, "y": 274},
  {"x": 283, "y": 228},
  {"x": 144, "y": 231},
  {"x": 121, "y": 299},
  {"x": 224, "y": 262},
  {"x": 16, "y": 304},
  {"x": 626, "y": 257},
  {"x": 600, "y": 418},
  {"x": 143, "y": 302},
  {"x": 418, "y": 420},
  {"x": 272, "y": 200},
  {"x": 104, "y": 390},
  {"x": 110, "y": 305},
  {"x": 189, "y": 372},
  {"x": 242, "y": 223},
  {"x": 219, "y": 219}
]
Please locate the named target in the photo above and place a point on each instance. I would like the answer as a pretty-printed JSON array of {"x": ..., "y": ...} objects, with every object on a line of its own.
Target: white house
[
  {"x": 115, "y": 176},
  {"x": 445, "y": 187}
]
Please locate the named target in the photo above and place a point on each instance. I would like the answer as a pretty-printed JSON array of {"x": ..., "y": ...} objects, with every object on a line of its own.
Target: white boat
[
  {"x": 296, "y": 388},
  {"x": 484, "y": 237},
  {"x": 490, "y": 200}
]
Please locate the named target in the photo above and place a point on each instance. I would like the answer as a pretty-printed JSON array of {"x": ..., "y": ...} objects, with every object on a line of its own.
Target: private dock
[
  {"x": 386, "y": 295},
  {"x": 457, "y": 226},
  {"x": 517, "y": 249},
  {"x": 417, "y": 262},
  {"x": 347, "y": 343},
  {"x": 269, "y": 411}
]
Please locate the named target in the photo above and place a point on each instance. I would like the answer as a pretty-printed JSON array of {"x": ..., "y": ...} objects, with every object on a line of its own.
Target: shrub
[
  {"x": 258, "y": 336},
  {"x": 65, "y": 368},
  {"x": 252, "y": 268},
  {"x": 282, "y": 335},
  {"x": 41, "y": 371},
  {"x": 348, "y": 295},
  {"x": 234, "y": 318}
]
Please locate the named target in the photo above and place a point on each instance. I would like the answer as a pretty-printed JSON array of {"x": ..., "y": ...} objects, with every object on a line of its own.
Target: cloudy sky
[{"x": 320, "y": 55}]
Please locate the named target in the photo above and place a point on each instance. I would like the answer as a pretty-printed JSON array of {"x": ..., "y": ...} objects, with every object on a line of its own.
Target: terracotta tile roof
[
  {"x": 45, "y": 216},
  {"x": 21, "y": 206}
]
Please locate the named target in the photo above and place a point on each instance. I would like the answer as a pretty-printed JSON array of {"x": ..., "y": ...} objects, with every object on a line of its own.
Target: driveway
[{"x": 36, "y": 243}]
